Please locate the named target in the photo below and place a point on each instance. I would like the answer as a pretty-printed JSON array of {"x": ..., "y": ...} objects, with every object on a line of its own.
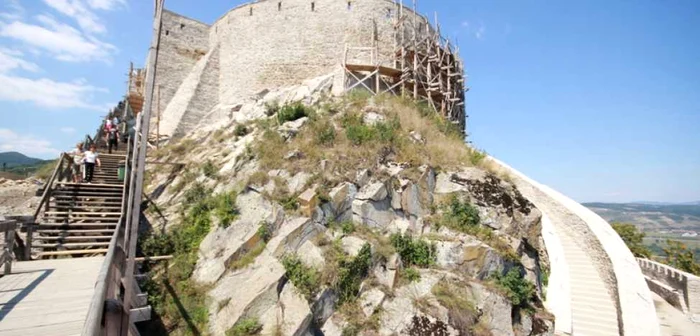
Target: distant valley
[{"x": 652, "y": 217}]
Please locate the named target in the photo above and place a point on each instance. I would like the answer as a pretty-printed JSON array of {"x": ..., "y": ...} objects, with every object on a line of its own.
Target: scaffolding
[{"x": 425, "y": 66}]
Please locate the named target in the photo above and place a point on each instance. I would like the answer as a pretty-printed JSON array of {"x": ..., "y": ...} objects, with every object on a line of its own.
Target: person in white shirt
[
  {"x": 77, "y": 156},
  {"x": 90, "y": 157}
]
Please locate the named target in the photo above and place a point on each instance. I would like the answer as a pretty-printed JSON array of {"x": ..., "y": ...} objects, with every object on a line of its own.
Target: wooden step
[
  {"x": 70, "y": 252},
  {"x": 81, "y": 213},
  {"x": 75, "y": 231},
  {"x": 51, "y": 224},
  {"x": 89, "y": 198},
  {"x": 92, "y": 185},
  {"x": 74, "y": 207},
  {"x": 72, "y": 237},
  {"x": 69, "y": 245}
]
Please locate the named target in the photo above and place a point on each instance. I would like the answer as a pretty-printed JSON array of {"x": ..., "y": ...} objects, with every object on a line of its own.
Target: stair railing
[{"x": 8, "y": 227}]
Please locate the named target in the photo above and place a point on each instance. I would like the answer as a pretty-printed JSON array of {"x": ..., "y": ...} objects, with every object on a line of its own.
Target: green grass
[
  {"x": 291, "y": 112},
  {"x": 245, "y": 327},
  {"x": 305, "y": 278},
  {"x": 225, "y": 208},
  {"x": 352, "y": 273},
  {"x": 210, "y": 170}
]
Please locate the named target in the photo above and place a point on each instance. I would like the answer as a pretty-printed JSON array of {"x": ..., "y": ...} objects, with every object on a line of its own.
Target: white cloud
[
  {"x": 26, "y": 144},
  {"x": 479, "y": 33},
  {"x": 12, "y": 59},
  {"x": 61, "y": 40},
  {"x": 77, "y": 10},
  {"x": 106, "y": 4},
  {"x": 68, "y": 130},
  {"x": 49, "y": 93},
  {"x": 12, "y": 10}
]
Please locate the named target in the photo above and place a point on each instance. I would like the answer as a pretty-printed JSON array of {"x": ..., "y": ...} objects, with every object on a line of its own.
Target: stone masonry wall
[
  {"x": 683, "y": 283},
  {"x": 279, "y": 43},
  {"x": 183, "y": 42}
]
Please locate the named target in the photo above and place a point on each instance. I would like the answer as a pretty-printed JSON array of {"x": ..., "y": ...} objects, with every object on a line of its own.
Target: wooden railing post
[
  {"x": 9, "y": 246},
  {"x": 28, "y": 242}
]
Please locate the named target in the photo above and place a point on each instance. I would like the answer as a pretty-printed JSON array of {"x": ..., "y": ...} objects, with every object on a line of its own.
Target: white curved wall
[{"x": 634, "y": 298}]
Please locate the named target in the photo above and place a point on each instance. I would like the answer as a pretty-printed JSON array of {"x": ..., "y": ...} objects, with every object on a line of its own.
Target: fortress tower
[{"x": 378, "y": 45}]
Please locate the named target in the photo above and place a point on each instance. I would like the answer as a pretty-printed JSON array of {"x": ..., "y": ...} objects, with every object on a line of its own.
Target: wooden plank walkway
[{"x": 47, "y": 297}]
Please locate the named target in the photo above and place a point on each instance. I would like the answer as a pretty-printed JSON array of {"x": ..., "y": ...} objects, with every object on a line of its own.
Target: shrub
[
  {"x": 352, "y": 273},
  {"x": 414, "y": 252},
  {"x": 225, "y": 208},
  {"x": 209, "y": 170},
  {"x": 359, "y": 134},
  {"x": 477, "y": 157},
  {"x": 195, "y": 194},
  {"x": 304, "y": 278},
  {"x": 241, "y": 130},
  {"x": 324, "y": 133},
  {"x": 459, "y": 215},
  {"x": 292, "y": 112},
  {"x": 271, "y": 108},
  {"x": 183, "y": 147},
  {"x": 247, "y": 258},
  {"x": 411, "y": 274},
  {"x": 516, "y": 287},
  {"x": 633, "y": 238},
  {"x": 264, "y": 232},
  {"x": 245, "y": 327}
]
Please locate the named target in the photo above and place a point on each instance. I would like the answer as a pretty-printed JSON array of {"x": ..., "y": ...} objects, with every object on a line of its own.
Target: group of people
[
  {"x": 111, "y": 131},
  {"x": 83, "y": 166}
]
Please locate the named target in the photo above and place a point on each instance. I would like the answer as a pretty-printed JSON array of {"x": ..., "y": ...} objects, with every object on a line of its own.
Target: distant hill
[
  {"x": 13, "y": 159},
  {"x": 19, "y": 165},
  {"x": 651, "y": 217}
]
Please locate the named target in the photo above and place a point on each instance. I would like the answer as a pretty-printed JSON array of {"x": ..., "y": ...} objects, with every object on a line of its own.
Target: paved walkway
[
  {"x": 47, "y": 297},
  {"x": 672, "y": 321}
]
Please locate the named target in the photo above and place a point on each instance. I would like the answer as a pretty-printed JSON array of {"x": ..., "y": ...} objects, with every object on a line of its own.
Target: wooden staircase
[{"x": 80, "y": 218}]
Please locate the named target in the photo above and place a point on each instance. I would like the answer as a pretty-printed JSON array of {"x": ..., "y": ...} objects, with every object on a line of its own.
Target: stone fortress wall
[
  {"x": 263, "y": 45},
  {"x": 679, "y": 288}
]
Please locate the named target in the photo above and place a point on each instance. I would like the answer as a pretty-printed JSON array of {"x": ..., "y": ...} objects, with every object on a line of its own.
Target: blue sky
[{"x": 598, "y": 99}]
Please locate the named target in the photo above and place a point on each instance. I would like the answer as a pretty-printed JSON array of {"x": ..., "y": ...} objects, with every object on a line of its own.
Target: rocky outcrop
[{"x": 326, "y": 214}]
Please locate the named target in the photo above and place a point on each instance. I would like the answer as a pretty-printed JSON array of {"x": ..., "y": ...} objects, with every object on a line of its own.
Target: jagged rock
[
  {"x": 352, "y": 245},
  {"x": 334, "y": 326},
  {"x": 444, "y": 185},
  {"x": 341, "y": 197},
  {"x": 291, "y": 128},
  {"x": 298, "y": 182},
  {"x": 373, "y": 214},
  {"x": 290, "y": 315},
  {"x": 324, "y": 305},
  {"x": 396, "y": 199},
  {"x": 374, "y": 191},
  {"x": 393, "y": 168},
  {"x": 411, "y": 201},
  {"x": 399, "y": 310},
  {"x": 468, "y": 255},
  {"x": 496, "y": 310},
  {"x": 293, "y": 155},
  {"x": 222, "y": 245},
  {"x": 237, "y": 293},
  {"x": 308, "y": 201},
  {"x": 394, "y": 262},
  {"x": 399, "y": 225},
  {"x": 293, "y": 234},
  {"x": 311, "y": 255},
  {"x": 416, "y": 137},
  {"x": 370, "y": 300},
  {"x": 362, "y": 177},
  {"x": 372, "y": 118}
]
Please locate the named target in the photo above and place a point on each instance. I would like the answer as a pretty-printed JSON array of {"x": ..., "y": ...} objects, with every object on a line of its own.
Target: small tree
[
  {"x": 633, "y": 238},
  {"x": 679, "y": 256}
]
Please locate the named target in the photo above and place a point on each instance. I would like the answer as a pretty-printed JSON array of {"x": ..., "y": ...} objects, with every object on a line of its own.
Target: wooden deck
[{"x": 47, "y": 297}]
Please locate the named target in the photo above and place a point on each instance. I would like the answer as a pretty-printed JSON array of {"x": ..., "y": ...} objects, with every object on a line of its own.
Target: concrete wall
[
  {"x": 635, "y": 304},
  {"x": 558, "y": 299},
  {"x": 679, "y": 288}
]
